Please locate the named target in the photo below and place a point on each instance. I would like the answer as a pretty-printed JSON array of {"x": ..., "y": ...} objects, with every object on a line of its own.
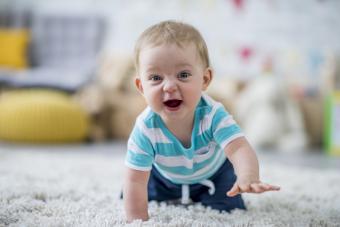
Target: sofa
[
  {"x": 46, "y": 57},
  {"x": 57, "y": 50}
]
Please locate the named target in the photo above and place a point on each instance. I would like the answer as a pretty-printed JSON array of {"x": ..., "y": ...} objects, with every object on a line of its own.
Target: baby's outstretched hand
[{"x": 245, "y": 185}]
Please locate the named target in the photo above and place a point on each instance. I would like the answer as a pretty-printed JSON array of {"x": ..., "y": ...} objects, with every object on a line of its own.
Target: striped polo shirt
[{"x": 151, "y": 144}]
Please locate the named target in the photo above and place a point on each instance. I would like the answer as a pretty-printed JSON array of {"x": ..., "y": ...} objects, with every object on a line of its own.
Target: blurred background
[{"x": 66, "y": 69}]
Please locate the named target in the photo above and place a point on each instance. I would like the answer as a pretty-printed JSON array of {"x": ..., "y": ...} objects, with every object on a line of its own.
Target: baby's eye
[
  {"x": 155, "y": 77},
  {"x": 183, "y": 75}
]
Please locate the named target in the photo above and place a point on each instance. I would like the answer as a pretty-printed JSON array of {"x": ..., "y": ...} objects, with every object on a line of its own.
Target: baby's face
[{"x": 172, "y": 80}]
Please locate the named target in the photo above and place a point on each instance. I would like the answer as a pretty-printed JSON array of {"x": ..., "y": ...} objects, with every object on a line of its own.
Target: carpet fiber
[{"x": 41, "y": 188}]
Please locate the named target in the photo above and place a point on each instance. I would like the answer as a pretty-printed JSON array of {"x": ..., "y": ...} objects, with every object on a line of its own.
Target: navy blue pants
[{"x": 161, "y": 189}]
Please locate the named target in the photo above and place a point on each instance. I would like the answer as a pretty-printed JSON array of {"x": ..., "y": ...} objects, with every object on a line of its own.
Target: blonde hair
[{"x": 172, "y": 32}]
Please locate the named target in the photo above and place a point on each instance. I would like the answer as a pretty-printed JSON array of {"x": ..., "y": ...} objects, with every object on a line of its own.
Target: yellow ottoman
[{"x": 41, "y": 116}]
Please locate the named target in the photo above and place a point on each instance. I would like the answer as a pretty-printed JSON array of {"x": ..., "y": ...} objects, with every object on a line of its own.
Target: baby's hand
[{"x": 249, "y": 185}]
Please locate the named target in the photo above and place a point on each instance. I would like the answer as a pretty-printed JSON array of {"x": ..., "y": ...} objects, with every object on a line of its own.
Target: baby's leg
[
  {"x": 161, "y": 189},
  {"x": 224, "y": 179}
]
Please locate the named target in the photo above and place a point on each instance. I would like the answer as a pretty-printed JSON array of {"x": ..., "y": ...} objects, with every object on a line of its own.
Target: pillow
[
  {"x": 13, "y": 46},
  {"x": 41, "y": 116}
]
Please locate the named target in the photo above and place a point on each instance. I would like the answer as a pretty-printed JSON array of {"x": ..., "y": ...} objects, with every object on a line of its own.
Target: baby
[{"x": 184, "y": 145}]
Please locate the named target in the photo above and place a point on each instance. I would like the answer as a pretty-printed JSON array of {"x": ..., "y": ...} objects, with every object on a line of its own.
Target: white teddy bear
[{"x": 269, "y": 117}]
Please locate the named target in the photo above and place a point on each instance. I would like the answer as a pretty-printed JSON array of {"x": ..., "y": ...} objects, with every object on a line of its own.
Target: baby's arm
[
  {"x": 135, "y": 194},
  {"x": 246, "y": 167}
]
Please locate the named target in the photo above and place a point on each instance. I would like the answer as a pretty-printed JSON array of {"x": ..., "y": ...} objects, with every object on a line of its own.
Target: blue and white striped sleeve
[
  {"x": 140, "y": 152},
  {"x": 224, "y": 127}
]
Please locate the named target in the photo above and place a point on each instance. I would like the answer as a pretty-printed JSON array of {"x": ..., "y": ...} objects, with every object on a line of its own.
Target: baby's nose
[{"x": 170, "y": 86}]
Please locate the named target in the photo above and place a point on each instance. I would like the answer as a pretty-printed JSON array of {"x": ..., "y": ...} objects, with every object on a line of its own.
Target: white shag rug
[{"x": 40, "y": 188}]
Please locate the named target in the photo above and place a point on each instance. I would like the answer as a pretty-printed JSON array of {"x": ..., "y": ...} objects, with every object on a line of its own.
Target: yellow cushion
[
  {"x": 41, "y": 116},
  {"x": 13, "y": 48}
]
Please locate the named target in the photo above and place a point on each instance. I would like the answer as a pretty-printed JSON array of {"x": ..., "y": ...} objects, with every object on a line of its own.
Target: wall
[{"x": 297, "y": 37}]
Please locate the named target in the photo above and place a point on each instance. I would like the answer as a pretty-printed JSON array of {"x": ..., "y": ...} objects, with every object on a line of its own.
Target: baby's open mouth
[{"x": 173, "y": 103}]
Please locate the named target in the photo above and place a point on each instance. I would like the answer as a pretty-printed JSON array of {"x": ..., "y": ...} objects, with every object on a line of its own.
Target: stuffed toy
[{"x": 269, "y": 117}]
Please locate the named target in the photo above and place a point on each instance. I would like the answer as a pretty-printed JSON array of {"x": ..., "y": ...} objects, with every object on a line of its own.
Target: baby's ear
[
  {"x": 138, "y": 84},
  {"x": 207, "y": 78}
]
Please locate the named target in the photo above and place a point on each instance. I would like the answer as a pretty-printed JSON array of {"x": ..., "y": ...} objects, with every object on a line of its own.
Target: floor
[{"x": 79, "y": 185}]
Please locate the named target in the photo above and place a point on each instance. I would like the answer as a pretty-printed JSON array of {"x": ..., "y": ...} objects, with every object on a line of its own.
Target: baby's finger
[
  {"x": 256, "y": 188},
  {"x": 269, "y": 187},
  {"x": 233, "y": 191}
]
